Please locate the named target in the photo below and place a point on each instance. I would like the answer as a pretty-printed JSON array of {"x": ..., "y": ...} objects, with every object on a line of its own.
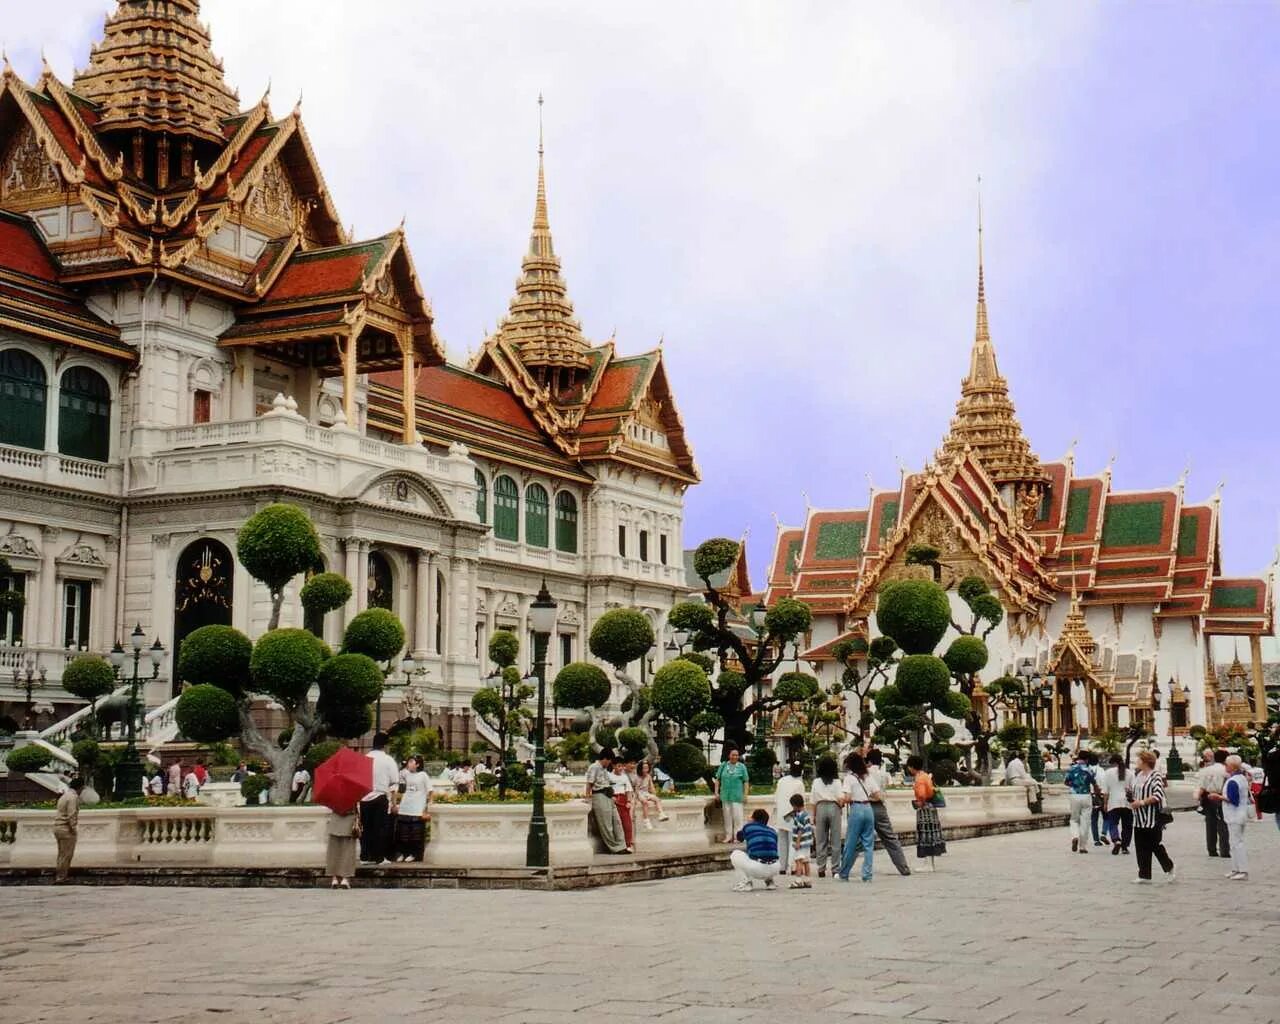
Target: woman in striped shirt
[{"x": 1147, "y": 803}]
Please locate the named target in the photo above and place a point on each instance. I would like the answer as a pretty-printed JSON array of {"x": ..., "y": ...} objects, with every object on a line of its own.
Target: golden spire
[
  {"x": 985, "y": 419},
  {"x": 154, "y": 70},
  {"x": 540, "y": 322}
]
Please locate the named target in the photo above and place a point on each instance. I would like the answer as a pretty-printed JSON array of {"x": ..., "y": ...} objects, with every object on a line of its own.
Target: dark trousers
[
  {"x": 1215, "y": 829},
  {"x": 1120, "y": 826},
  {"x": 889, "y": 839},
  {"x": 1096, "y": 816},
  {"x": 1149, "y": 842},
  {"x": 375, "y": 830}
]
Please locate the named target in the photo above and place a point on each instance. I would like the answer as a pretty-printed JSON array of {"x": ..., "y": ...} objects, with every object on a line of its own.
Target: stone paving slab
[{"x": 1010, "y": 928}]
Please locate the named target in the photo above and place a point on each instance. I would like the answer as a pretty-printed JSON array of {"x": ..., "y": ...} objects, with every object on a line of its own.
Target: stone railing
[
  {"x": 60, "y": 731},
  {"x": 160, "y": 725},
  {"x": 62, "y": 470}
]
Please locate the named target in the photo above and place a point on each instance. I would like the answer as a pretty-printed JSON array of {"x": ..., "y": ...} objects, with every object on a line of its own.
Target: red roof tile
[{"x": 24, "y": 252}]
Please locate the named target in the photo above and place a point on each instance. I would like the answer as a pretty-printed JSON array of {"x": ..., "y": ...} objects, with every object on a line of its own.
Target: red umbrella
[{"x": 342, "y": 780}]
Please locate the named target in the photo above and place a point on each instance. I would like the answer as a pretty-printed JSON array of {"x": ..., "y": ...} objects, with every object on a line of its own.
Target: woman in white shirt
[
  {"x": 411, "y": 810},
  {"x": 860, "y": 789},
  {"x": 826, "y": 795},
  {"x": 1116, "y": 783}
]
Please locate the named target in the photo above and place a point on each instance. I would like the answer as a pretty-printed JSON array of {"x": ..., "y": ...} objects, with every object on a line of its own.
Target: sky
[{"x": 785, "y": 195}]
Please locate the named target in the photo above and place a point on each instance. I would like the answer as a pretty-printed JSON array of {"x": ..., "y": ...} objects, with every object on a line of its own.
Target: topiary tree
[
  {"x": 323, "y": 593},
  {"x": 619, "y": 637},
  {"x": 320, "y": 752},
  {"x": 218, "y": 655},
  {"x": 376, "y": 633},
  {"x": 681, "y": 692},
  {"x": 502, "y": 707},
  {"x": 31, "y": 758},
  {"x": 683, "y": 761},
  {"x": 710, "y": 624},
  {"x": 585, "y": 687},
  {"x": 275, "y": 545},
  {"x": 207, "y": 713},
  {"x": 90, "y": 678}
]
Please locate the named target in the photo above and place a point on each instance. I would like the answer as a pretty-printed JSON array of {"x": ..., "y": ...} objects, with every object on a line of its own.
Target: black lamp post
[
  {"x": 29, "y": 677},
  {"x": 757, "y": 616},
  {"x": 1174, "y": 769},
  {"x": 542, "y": 620},
  {"x": 1033, "y": 698},
  {"x": 129, "y": 770}
]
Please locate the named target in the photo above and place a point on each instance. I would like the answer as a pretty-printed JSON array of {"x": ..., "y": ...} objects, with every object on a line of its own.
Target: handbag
[
  {"x": 1164, "y": 816},
  {"x": 938, "y": 800}
]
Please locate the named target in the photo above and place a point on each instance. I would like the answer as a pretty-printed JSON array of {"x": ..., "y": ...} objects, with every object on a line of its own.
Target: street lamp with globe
[
  {"x": 129, "y": 770},
  {"x": 542, "y": 621}
]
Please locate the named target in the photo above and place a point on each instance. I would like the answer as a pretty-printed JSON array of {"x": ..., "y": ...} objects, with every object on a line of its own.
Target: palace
[
  {"x": 1112, "y": 596},
  {"x": 188, "y": 333}
]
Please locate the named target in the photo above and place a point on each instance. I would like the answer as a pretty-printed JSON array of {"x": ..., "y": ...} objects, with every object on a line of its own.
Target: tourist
[
  {"x": 412, "y": 811},
  {"x": 800, "y": 829},
  {"x": 155, "y": 786},
  {"x": 826, "y": 795},
  {"x": 1115, "y": 794},
  {"x": 174, "y": 779},
  {"x": 929, "y": 839},
  {"x": 1097, "y": 812},
  {"x": 1213, "y": 776},
  {"x": 375, "y": 807},
  {"x": 66, "y": 826},
  {"x": 298, "y": 787},
  {"x": 759, "y": 861},
  {"x": 732, "y": 786},
  {"x": 1233, "y": 803},
  {"x": 190, "y": 785},
  {"x": 340, "y": 853},
  {"x": 885, "y": 831},
  {"x": 620, "y": 779},
  {"x": 647, "y": 795},
  {"x": 1270, "y": 795},
  {"x": 240, "y": 774},
  {"x": 788, "y": 786},
  {"x": 860, "y": 788},
  {"x": 1016, "y": 774},
  {"x": 666, "y": 783},
  {"x": 1081, "y": 785},
  {"x": 603, "y": 809},
  {"x": 202, "y": 773},
  {"x": 1148, "y": 829},
  {"x": 464, "y": 778}
]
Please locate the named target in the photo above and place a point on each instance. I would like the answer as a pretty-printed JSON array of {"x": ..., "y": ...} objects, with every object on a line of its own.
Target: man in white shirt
[
  {"x": 301, "y": 780},
  {"x": 1209, "y": 785},
  {"x": 789, "y": 785},
  {"x": 1016, "y": 774},
  {"x": 884, "y": 826},
  {"x": 375, "y": 807}
]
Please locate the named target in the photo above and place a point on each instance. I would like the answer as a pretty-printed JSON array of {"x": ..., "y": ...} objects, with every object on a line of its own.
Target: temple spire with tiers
[
  {"x": 985, "y": 419},
  {"x": 540, "y": 324}
]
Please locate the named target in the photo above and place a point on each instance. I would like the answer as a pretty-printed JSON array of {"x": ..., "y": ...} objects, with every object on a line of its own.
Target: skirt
[
  {"x": 929, "y": 841},
  {"x": 340, "y": 857}
]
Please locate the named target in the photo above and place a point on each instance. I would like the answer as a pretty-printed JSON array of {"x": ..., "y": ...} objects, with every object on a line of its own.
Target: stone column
[
  {"x": 361, "y": 582},
  {"x": 432, "y": 610},
  {"x": 422, "y": 587},
  {"x": 445, "y": 612},
  {"x": 47, "y": 613},
  {"x": 104, "y": 619},
  {"x": 351, "y": 570},
  {"x": 1259, "y": 684}
]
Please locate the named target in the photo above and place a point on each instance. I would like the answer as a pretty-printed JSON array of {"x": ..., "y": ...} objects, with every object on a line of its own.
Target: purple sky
[{"x": 786, "y": 193}]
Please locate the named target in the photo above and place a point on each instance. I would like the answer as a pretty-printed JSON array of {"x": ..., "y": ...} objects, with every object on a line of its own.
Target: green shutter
[
  {"x": 567, "y": 523},
  {"x": 506, "y": 509},
  {"x": 22, "y": 399},
  {"x": 84, "y": 415},
  {"x": 535, "y": 516},
  {"x": 482, "y": 497}
]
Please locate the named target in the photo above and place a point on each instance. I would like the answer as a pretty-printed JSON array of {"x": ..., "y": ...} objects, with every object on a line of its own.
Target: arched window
[
  {"x": 482, "y": 497},
  {"x": 23, "y": 393},
  {"x": 536, "y": 506},
  {"x": 506, "y": 509},
  {"x": 202, "y": 594},
  {"x": 84, "y": 414},
  {"x": 566, "y": 523},
  {"x": 379, "y": 581}
]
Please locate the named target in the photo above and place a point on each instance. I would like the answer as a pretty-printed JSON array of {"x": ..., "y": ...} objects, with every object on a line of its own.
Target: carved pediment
[
  {"x": 957, "y": 558},
  {"x": 273, "y": 200},
  {"x": 14, "y": 545},
  {"x": 27, "y": 172}
]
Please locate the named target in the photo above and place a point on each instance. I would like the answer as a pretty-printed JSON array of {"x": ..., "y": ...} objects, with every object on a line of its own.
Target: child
[{"x": 801, "y": 828}]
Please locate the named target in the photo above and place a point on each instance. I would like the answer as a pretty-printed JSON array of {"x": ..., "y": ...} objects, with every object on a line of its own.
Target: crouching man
[{"x": 759, "y": 861}]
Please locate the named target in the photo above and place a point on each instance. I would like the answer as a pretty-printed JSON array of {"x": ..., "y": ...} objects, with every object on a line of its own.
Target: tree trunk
[
  {"x": 283, "y": 762},
  {"x": 277, "y": 602}
]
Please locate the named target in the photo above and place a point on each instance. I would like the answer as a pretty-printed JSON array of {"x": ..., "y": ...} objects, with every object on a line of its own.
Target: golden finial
[{"x": 540, "y": 219}]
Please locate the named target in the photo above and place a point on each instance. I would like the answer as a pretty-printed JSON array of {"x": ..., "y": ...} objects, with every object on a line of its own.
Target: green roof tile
[
  {"x": 840, "y": 541},
  {"x": 1132, "y": 524}
]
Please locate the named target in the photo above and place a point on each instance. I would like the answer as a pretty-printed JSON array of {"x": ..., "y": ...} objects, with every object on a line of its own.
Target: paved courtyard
[{"x": 1011, "y": 928}]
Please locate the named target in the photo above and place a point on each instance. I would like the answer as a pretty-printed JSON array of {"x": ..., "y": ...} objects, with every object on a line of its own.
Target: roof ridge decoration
[
  {"x": 985, "y": 418},
  {"x": 153, "y": 69},
  {"x": 113, "y": 171}
]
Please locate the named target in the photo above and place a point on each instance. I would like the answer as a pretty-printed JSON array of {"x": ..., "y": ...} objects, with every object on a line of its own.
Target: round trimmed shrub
[
  {"x": 345, "y": 719},
  {"x": 621, "y": 636},
  {"x": 504, "y": 648},
  {"x": 966, "y": 655},
  {"x": 634, "y": 741},
  {"x": 880, "y": 650},
  {"x": 846, "y": 649},
  {"x": 944, "y": 732},
  {"x": 684, "y": 761},
  {"x": 680, "y": 690},
  {"x": 320, "y": 752},
  {"x": 922, "y": 679},
  {"x": 285, "y": 663},
  {"x": 1013, "y": 735},
  {"x": 88, "y": 677},
  {"x": 87, "y": 754},
  {"x": 955, "y": 704},
  {"x": 714, "y": 556},
  {"x": 694, "y": 616},
  {"x": 788, "y": 618},
  {"x": 487, "y": 703},
  {"x": 703, "y": 661},
  {"x": 277, "y": 543},
  {"x": 581, "y": 685},
  {"x": 915, "y": 613},
  {"x": 325, "y": 592},
  {"x": 887, "y": 696},
  {"x": 988, "y": 606},
  {"x": 971, "y": 587},
  {"x": 608, "y": 738},
  {"x": 707, "y": 723},
  {"x": 794, "y": 687},
  {"x": 350, "y": 679},
  {"x": 30, "y": 758},
  {"x": 731, "y": 685},
  {"x": 207, "y": 713},
  {"x": 218, "y": 655},
  {"x": 253, "y": 786},
  {"x": 375, "y": 632}
]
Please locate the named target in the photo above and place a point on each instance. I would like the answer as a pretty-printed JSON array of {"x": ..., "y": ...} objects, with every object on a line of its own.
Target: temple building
[
  {"x": 188, "y": 333},
  {"x": 1112, "y": 596}
]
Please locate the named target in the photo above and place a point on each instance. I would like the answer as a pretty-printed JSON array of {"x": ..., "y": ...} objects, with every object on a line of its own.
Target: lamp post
[
  {"x": 28, "y": 677},
  {"x": 1174, "y": 769},
  {"x": 129, "y": 770},
  {"x": 757, "y": 616},
  {"x": 1031, "y": 700},
  {"x": 542, "y": 620}
]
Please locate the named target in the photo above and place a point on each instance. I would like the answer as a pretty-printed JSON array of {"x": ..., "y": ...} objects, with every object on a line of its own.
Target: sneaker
[
  {"x": 742, "y": 887},
  {"x": 770, "y": 884},
  {"x": 822, "y": 872},
  {"x": 1171, "y": 877},
  {"x": 663, "y": 817},
  {"x": 1083, "y": 850},
  {"x": 1097, "y": 842},
  {"x": 1231, "y": 874},
  {"x": 1140, "y": 881},
  {"x": 648, "y": 825},
  {"x": 796, "y": 883},
  {"x": 1115, "y": 851},
  {"x": 1075, "y": 845},
  {"x": 1124, "y": 850},
  {"x": 1239, "y": 876}
]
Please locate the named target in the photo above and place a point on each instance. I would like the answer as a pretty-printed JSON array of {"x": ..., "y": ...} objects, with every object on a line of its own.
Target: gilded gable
[
  {"x": 27, "y": 173},
  {"x": 273, "y": 203}
]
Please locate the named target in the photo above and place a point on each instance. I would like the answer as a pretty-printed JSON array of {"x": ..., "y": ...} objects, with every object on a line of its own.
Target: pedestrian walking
[
  {"x": 1081, "y": 785},
  {"x": 343, "y": 833},
  {"x": 929, "y": 839},
  {"x": 759, "y": 861},
  {"x": 603, "y": 809},
  {"x": 1234, "y": 804},
  {"x": 885, "y": 831},
  {"x": 620, "y": 778},
  {"x": 1213, "y": 776},
  {"x": 66, "y": 827},
  {"x": 826, "y": 795},
  {"x": 412, "y": 811},
  {"x": 732, "y": 787},
  {"x": 1116, "y": 781},
  {"x": 1148, "y": 824},
  {"x": 800, "y": 829},
  {"x": 788, "y": 786},
  {"x": 1098, "y": 811},
  {"x": 1269, "y": 798},
  {"x": 376, "y": 805},
  {"x": 860, "y": 789}
]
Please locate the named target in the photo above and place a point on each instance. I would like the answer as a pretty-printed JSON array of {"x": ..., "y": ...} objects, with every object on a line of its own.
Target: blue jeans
[{"x": 860, "y": 833}]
